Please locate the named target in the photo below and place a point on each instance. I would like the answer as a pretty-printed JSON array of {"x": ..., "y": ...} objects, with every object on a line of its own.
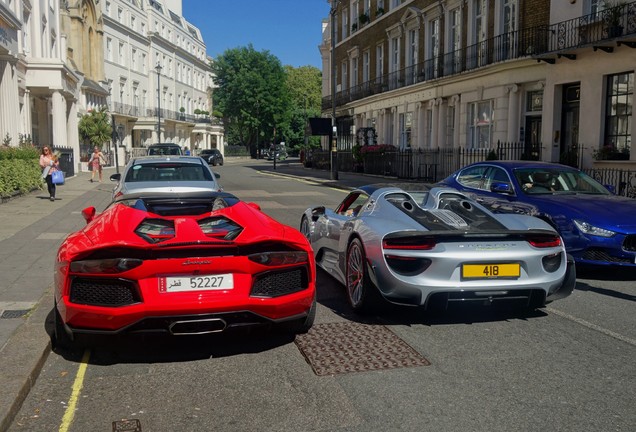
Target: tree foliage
[
  {"x": 252, "y": 95},
  {"x": 304, "y": 86},
  {"x": 95, "y": 127}
]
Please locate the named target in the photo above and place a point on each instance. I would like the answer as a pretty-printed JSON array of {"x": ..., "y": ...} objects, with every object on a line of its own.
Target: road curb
[{"x": 29, "y": 348}]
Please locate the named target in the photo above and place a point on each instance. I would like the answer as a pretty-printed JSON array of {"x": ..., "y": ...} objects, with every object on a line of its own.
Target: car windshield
[
  {"x": 536, "y": 181},
  {"x": 164, "y": 151},
  {"x": 168, "y": 172}
]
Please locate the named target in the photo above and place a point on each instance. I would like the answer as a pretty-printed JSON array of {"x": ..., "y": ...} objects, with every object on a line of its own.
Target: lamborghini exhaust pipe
[{"x": 197, "y": 327}]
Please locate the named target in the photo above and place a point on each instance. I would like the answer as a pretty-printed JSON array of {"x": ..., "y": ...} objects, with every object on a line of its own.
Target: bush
[{"x": 19, "y": 170}]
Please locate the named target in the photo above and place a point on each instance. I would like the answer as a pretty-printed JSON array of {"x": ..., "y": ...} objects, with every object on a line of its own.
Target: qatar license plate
[
  {"x": 196, "y": 283},
  {"x": 490, "y": 271}
]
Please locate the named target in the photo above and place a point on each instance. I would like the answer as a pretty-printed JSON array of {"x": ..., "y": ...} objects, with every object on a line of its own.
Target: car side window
[
  {"x": 496, "y": 174},
  {"x": 352, "y": 204},
  {"x": 472, "y": 177}
]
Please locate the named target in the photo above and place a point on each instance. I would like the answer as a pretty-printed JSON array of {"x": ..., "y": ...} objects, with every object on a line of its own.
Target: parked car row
[{"x": 175, "y": 253}]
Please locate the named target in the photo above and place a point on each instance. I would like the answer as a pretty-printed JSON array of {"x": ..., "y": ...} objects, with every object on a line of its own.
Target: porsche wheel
[
  {"x": 359, "y": 290},
  {"x": 304, "y": 227}
]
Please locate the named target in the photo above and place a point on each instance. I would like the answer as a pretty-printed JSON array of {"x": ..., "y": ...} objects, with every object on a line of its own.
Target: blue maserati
[{"x": 598, "y": 227}]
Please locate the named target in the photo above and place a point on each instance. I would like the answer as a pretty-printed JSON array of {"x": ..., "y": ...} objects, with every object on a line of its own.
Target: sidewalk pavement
[{"x": 31, "y": 230}]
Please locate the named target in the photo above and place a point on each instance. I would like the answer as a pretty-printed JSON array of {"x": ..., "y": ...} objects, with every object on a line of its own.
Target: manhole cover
[
  {"x": 133, "y": 425},
  {"x": 7, "y": 314},
  {"x": 336, "y": 348}
]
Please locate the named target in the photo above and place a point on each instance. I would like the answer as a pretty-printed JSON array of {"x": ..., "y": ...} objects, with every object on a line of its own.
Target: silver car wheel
[
  {"x": 355, "y": 274},
  {"x": 304, "y": 227}
]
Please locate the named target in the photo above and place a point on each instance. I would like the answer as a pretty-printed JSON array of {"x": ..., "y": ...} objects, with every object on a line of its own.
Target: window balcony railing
[{"x": 542, "y": 42}]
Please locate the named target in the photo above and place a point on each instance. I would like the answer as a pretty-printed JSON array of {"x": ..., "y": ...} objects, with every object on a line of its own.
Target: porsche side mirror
[
  {"x": 89, "y": 214},
  {"x": 500, "y": 187},
  {"x": 115, "y": 177},
  {"x": 254, "y": 205},
  {"x": 217, "y": 175}
]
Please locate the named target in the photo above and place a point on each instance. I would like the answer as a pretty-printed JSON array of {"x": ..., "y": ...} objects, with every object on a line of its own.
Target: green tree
[
  {"x": 252, "y": 95},
  {"x": 304, "y": 87},
  {"x": 95, "y": 127}
]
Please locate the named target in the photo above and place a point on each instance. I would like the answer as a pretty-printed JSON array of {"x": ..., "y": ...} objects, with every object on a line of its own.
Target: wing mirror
[
  {"x": 115, "y": 177},
  {"x": 610, "y": 188},
  {"x": 254, "y": 206},
  {"x": 500, "y": 187},
  {"x": 217, "y": 175},
  {"x": 89, "y": 214}
]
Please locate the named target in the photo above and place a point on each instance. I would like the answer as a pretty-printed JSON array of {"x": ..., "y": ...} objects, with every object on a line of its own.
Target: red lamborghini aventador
[{"x": 182, "y": 264}]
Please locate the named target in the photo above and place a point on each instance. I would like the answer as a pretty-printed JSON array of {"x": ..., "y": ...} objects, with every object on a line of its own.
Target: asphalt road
[{"x": 569, "y": 367}]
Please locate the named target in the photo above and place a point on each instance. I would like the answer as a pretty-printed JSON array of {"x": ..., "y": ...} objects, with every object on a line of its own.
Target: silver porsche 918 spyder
[{"x": 421, "y": 247}]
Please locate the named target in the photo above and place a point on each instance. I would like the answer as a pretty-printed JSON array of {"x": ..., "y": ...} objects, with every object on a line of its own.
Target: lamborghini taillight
[
  {"x": 105, "y": 266},
  {"x": 275, "y": 259},
  {"x": 156, "y": 230},
  {"x": 220, "y": 228}
]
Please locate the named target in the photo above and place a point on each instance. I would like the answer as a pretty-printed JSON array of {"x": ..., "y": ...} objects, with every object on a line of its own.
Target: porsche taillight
[
  {"x": 105, "y": 266},
  {"x": 275, "y": 259},
  {"x": 156, "y": 230},
  {"x": 220, "y": 228},
  {"x": 414, "y": 243},
  {"x": 544, "y": 241}
]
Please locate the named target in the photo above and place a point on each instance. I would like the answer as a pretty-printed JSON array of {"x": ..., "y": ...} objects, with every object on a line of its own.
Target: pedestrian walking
[
  {"x": 97, "y": 160},
  {"x": 49, "y": 164}
]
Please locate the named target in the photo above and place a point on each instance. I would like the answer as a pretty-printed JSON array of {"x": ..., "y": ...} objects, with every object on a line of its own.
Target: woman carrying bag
[{"x": 49, "y": 164}]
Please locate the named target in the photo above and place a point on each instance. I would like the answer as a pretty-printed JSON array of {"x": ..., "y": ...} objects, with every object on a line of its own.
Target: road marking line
[
  {"x": 592, "y": 326},
  {"x": 67, "y": 420}
]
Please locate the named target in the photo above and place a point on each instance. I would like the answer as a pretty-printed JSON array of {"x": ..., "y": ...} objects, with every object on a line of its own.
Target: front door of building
[
  {"x": 532, "y": 138},
  {"x": 569, "y": 149}
]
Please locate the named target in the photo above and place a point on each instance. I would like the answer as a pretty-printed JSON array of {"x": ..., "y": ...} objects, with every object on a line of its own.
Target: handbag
[{"x": 57, "y": 178}]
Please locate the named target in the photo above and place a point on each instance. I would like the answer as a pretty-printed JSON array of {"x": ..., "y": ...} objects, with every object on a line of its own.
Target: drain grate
[
  {"x": 133, "y": 425},
  {"x": 7, "y": 314},
  {"x": 343, "y": 347}
]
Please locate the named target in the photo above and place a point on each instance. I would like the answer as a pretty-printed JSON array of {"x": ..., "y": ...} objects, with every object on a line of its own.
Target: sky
[{"x": 288, "y": 29}]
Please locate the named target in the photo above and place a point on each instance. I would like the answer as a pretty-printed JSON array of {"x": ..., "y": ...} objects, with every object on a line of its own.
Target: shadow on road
[
  {"x": 165, "y": 348},
  {"x": 332, "y": 295}
]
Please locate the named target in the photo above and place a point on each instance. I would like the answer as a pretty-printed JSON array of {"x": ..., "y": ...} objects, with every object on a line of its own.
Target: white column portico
[
  {"x": 8, "y": 101},
  {"x": 441, "y": 122},
  {"x": 512, "y": 134},
  {"x": 60, "y": 137}
]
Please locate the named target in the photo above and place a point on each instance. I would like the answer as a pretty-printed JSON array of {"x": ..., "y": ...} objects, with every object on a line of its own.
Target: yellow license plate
[{"x": 490, "y": 271}]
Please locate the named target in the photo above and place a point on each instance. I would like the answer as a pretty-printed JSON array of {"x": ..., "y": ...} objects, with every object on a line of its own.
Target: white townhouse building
[
  {"x": 553, "y": 77},
  {"x": 38, "y": 89},
  {"x": 157, "y": 73},
  {"x": 61, "y": 59}
]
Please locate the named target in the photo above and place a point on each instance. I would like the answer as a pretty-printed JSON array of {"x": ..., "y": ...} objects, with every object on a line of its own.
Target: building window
[
  {"x": 480, "y": 26},
  {"x": 344, "y": 79},
  {"x": 379, "y": 63},
  {"x": 454, "y": 41},
  {"x": 345, "y": 23},
  {"x": 354, "y": 71},
  {"x": 432, "y": 70},
  {"x": 619, "y": 108},
  {"x": 365, "y": 67},
  {"x": 406, "y": 124},
  {"x": 450, "y": 127},
  {"x": 109, "y": 49},
  {"x": 480, "y": 127}
]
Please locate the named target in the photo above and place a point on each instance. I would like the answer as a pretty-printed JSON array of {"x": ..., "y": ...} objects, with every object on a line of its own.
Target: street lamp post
[
  {"x": 158, "y": 69},
  {"x": 334, "y": 136},
  {"x": 116, "y": 135}
]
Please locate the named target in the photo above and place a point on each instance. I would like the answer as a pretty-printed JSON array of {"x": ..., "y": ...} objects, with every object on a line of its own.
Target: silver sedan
[
  {"x": 169, "y": 174},
  {"x": 420, "y": 247}
]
